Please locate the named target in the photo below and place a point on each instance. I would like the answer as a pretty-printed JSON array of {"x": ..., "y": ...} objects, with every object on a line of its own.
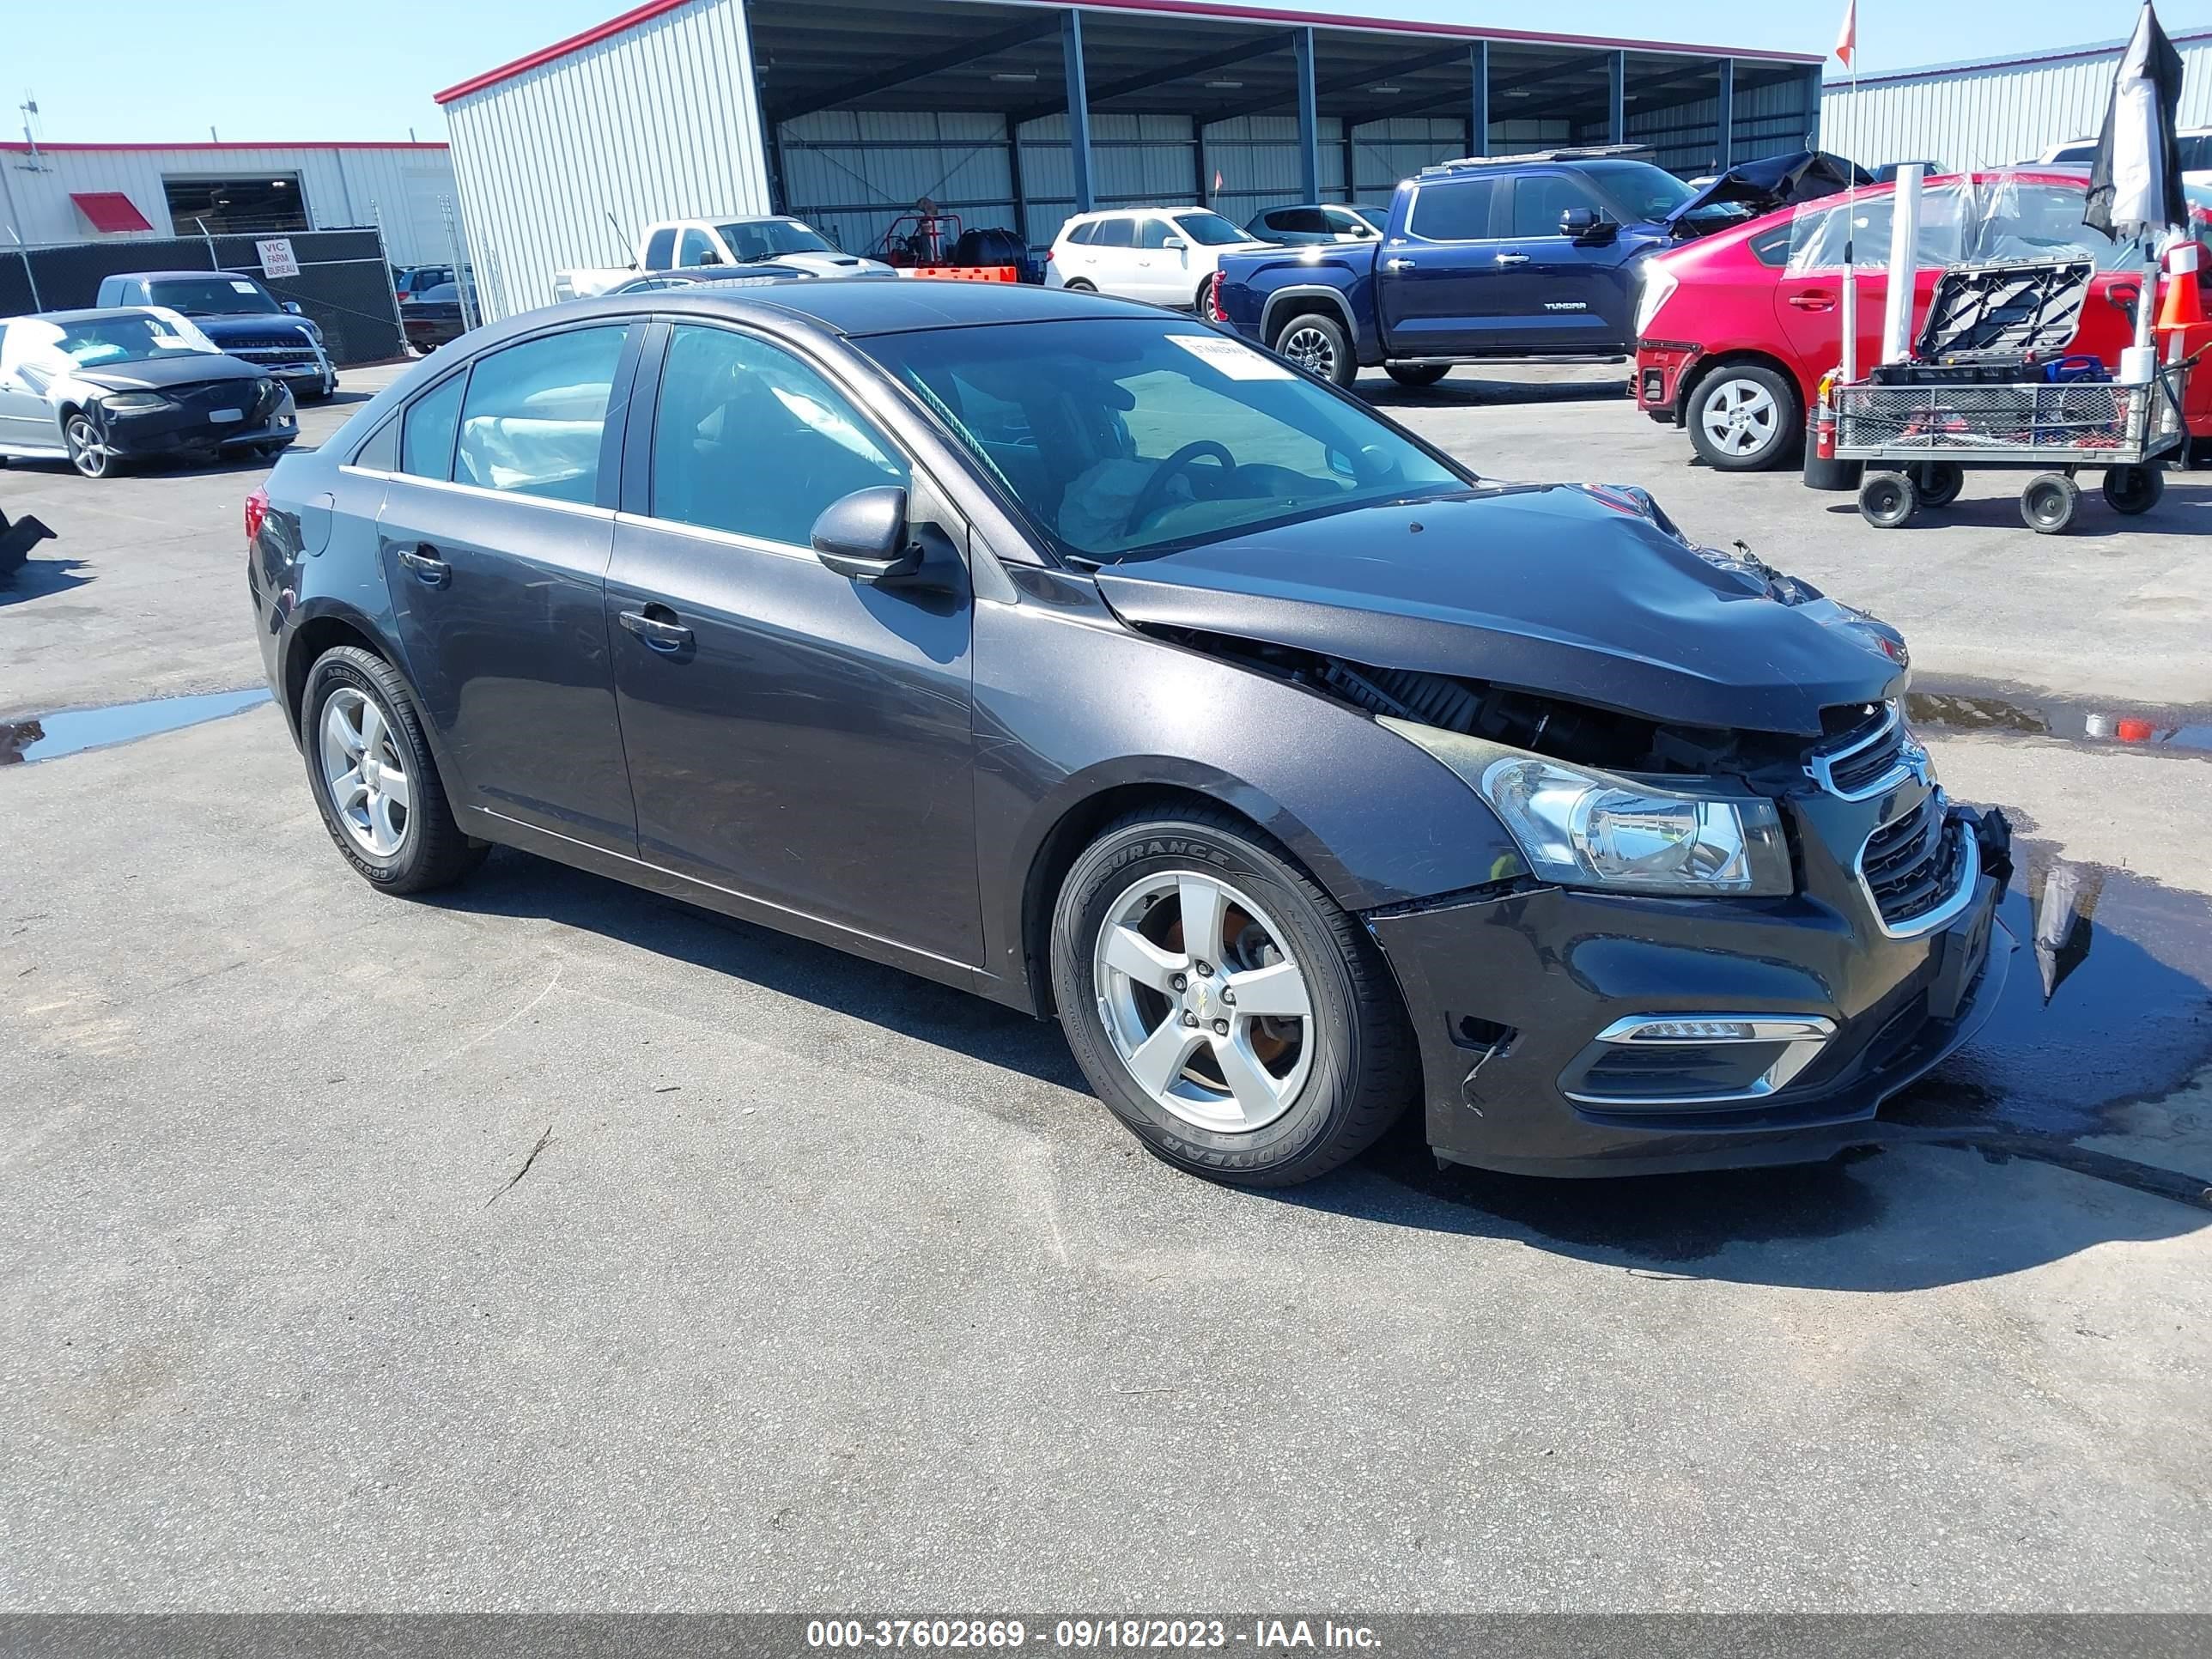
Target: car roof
[
  {"x": 857, "y": 308},
  {"x": 83, "y": 314},
  {"x": 140, "y": 276}
]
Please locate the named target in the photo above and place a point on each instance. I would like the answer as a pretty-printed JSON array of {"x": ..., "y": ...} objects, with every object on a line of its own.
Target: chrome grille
[
  {"x": 1919, "y": 869},
  {"x": 1876, "y": 754}
]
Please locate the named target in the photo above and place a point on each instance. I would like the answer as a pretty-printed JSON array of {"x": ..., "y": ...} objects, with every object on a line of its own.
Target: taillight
[
  {"x": 1048, "y": 256},
  {"x": 257, "y": 512},
  {"x": 1213, "y": 300}
]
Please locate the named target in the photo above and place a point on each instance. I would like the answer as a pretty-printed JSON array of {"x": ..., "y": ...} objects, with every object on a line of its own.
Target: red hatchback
[{"x": 1735, "y": 332}]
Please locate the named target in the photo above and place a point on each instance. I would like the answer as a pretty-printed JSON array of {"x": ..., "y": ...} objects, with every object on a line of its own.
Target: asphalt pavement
[{"x": 545, "y": 1245}]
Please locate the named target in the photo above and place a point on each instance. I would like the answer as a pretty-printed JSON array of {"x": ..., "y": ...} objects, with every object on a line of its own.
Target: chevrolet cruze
[{"x": 1075, "y": 654}]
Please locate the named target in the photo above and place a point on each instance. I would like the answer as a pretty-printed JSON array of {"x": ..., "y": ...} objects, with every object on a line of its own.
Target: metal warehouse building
[
  {"x": 61, "y": 193},
  {"x": 2000, "y": 109},
  {"x": 1018, "y": 113}
]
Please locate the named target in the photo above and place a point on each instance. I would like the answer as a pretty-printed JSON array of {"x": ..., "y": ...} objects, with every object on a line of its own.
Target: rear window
[
  {"x": 1115, "y": 232},
  {"x": 536, "y": 413},
  {"x": 1455, "y": 212}
]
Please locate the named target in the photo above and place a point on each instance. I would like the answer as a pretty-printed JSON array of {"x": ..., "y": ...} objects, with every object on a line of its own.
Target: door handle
[
  {"x": 668, "y": 637},
  {"x": 1818, "y": 299},
  {"x": 429, "y": 569},
  {"x": 1397, "y": 265},
  {"x": 1512, "y": 259}
]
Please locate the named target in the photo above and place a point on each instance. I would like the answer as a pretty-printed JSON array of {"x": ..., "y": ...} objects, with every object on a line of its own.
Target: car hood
[
  {"x": 230, "y": 326},
  {"x": 161, "y": 372},
  {"x": 1776, "y": 181},
  {"x": 834, "y": 264},
  {"x": 1586, "y": 593}
]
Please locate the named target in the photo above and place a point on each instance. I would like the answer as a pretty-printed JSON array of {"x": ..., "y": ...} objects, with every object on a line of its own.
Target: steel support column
[
  {"x": 1479, "y": 107},
  {"x": 1616, "y": 99},
  {"x": 1078, "y": 108},
  {"x": 1309, "y": 117},
  {"x": 1724, "y": 149},
  {"x": 1014, "y": 178},
  {"x": 1813, "y": 88}
]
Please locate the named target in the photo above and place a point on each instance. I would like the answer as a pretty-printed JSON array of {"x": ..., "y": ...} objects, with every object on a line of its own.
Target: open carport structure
[{"x": 848, "y": 113}]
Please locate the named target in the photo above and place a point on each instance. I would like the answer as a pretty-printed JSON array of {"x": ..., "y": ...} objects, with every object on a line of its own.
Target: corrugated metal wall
[
  {"x": 1770, "y": 120},
  {"x": 1384, "y": 152},
  {"x": 1257, "y": 158},
  {"x": 851, "y": 173},
  {"x": 399, "y": 185},
  {"x": 1984, "y": 116},
  {"x": 658, "y": 122}
]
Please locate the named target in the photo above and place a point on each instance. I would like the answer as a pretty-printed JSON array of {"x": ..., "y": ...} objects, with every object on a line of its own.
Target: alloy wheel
[
  {"x": 1741, "y": 417},
  {"x": 1311, "y": 351},
  {"x": 1203, "y": 1002},
  {"x": 87, "y": 451},
  {"x": 366, "y": 773}
]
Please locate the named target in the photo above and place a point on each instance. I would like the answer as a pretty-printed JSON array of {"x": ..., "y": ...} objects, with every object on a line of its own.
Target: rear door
[
  {"x": 495, "y": 537},
  {"x": 793, "y": 736},
  {"x": 1557, "y": 293},
  {"x": 1437, "y": 277},
  {"x": 1113, "y": 255},
  {"x": 26, "y": 419}
]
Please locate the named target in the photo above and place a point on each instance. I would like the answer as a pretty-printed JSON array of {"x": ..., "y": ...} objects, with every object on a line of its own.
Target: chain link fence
[{"x": 344, "y": 283}]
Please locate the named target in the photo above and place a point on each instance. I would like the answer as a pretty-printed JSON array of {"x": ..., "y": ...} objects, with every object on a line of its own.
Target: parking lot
[{"x": 549, "y": 1245}]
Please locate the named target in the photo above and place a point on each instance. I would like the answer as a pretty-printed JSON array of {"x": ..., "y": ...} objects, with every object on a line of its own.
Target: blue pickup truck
[{"x": 1534, "y": 255}]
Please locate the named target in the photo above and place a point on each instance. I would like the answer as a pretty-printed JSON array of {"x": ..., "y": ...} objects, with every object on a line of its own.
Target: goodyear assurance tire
[
  {"x": 373, "y": 778},
  {"x": 1223, "y": 1005},
  {"x": 1744, "y": 418},
  {"x": 1319, "y": 345}
]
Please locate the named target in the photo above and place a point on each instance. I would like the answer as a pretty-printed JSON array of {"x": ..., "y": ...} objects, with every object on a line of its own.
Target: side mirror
[
  {"x": 1175, "y": 245},
  {"x": 293, "y": 306},
  {"x": 864, "y": 535},
  {"x": 2124, "y": 295},
  {"x": 1583, "y": 223}
]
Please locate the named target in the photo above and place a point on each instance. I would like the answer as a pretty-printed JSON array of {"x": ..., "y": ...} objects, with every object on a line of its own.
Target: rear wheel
[
  {"x": 1887, "y": 500},
  {"x": 1744, "y": 418},
  {"x": 2133, "y": 490},
  {"x": 1079, "y": 285},
  {"x": 1223, "y": 1005},
  {"x": 373, "y": 778},
  {"x": 1937, "y": 483},
  {"x": 2047, "y": 504},
  {"x": 1318, "y": 344},
  {"x": 1417, "y": 374}
]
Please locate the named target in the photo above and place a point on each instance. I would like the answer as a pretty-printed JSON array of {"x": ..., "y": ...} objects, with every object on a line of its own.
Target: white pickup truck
[{"x": 685, "y": 243}]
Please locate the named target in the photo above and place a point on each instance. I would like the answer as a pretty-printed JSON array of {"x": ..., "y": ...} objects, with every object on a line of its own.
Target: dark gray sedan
[{"x": 1060, "y": 650}]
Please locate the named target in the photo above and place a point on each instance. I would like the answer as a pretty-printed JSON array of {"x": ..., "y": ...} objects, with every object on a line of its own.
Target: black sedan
[
  {"x": 434, "y": 317},
  {"x": 1059, "y": 649}
]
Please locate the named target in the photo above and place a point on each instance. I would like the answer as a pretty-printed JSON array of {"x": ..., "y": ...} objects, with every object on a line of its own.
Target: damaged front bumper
[{"x": 1571, "y": 1032}]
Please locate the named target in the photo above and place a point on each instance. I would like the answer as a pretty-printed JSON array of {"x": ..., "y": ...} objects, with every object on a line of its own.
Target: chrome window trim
[
  {"x": 587, "y": 509},
  {"x": 1948, "y": 910},
  {"x": 1911, "y": 759},
  {"x": 1803, "y": 1035},
  {"x": 736, "y": 538}
]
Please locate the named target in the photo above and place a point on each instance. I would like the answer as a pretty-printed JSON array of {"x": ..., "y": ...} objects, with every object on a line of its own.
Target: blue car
[
  {"x": 240, "y": 316},
  {"x": 1523, "y": 256}
]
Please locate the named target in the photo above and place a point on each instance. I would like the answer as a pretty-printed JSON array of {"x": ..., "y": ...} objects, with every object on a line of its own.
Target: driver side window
[{"x": 697, "y": 250}]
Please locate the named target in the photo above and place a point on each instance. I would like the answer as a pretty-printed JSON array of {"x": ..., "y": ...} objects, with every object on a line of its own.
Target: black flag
[{"x": 2135, "y": 183}]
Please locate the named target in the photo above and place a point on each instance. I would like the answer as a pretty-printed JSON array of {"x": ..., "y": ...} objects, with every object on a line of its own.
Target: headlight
[
  {"x": 1655, "y": 286},
  {"x": 1586, "y": 829},
  {"x": 133, "y": 403}
]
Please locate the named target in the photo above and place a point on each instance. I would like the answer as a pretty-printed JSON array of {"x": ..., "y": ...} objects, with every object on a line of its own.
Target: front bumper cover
[{"x": 1509, "y": 994}]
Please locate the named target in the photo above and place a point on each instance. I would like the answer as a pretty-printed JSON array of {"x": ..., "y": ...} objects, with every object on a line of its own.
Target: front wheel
[
  {"x": 1744, "y": 418},
  {"x": 1887, "y": 500},
  {"x": 373, "y": 777},
  {"x": 1417, "y": 374},
  {"x": 1223, "y": 1005},
  {"x": 2047, "y": 504},
  {"x": 88, "y": 446},
  {"x": 1937, "y": 483},
  {"x": 1319, "y": 345},
  {"x": 2133, "y": 490}
]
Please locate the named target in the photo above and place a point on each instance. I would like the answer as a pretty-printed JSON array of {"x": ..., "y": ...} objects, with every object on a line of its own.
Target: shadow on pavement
[
  {"x": 1471, "y": 392},
  {"x": 36, "y": 578},
  {"x": 1992, "y": 502},
  {"x": 1870, "y": 1221}
]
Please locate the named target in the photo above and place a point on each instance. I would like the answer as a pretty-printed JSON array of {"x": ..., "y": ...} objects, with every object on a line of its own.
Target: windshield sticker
[
  {"x": 243, "y": 288},
  {"x": 1233, "y": 358}
]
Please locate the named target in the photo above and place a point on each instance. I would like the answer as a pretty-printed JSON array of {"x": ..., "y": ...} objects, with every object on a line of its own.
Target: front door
[
  {"x": 495, "y": 537},
  {"x": 1438, "y": 280},
  {"x": 793, "y": 736},
  {"x": 1556, "y": 292}
]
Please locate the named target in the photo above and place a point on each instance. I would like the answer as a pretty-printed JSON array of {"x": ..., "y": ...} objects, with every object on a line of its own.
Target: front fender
[{"x": 1373, "y": 818}]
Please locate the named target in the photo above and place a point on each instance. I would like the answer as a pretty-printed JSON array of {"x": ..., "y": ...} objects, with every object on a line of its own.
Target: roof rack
[{"x": 1572, "y": 153}]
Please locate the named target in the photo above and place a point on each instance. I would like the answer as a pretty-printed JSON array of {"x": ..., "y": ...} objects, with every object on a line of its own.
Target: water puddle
[
  {"x": 49, "y": 737},
  {"x": 2107, "y": 1001},
  {"x": 2131, "y": 725}
]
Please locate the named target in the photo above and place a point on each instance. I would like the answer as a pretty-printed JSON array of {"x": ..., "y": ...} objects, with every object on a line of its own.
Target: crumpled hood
[
  {"x": 160, "y": 373},
  {"x": 1586, "y": 593},
  {"x": 1776, "y": 181},
  {"x": 834, "y": 265}
]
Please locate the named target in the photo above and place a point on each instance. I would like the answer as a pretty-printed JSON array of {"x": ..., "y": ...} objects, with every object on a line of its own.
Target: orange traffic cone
[{"x": 2183, "y": 306}]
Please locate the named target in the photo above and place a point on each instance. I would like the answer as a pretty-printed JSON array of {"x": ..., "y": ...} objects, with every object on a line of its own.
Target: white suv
[{"x": 1163, "y": 255}]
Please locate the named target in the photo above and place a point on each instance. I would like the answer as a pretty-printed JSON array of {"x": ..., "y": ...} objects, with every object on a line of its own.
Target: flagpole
[{"x": 1848, "y": 366}]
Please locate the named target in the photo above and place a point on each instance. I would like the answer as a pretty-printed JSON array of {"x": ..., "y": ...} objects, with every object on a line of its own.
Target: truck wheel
[
  {"x": 1417, "y": 374},
  {"x": 1317, "y": 343},
  {"x": 1744, "y": 418}
]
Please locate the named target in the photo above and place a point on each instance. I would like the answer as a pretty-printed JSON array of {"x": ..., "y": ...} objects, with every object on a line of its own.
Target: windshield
[
  {"x": 1636, "y": 191},
  {"x": 211, "y": 297},
  {"x": 1123, "y": 437},
  {"x": 135, "y": 336},
  {"x": 1210, "y": 229},
  {"x": 750, "y": 240}
]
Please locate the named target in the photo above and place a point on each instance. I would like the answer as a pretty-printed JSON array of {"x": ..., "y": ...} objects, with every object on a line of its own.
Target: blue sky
[{"x": 365, "y": 69}]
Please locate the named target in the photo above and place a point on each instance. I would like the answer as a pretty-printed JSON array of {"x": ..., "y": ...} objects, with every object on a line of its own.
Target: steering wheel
[{"x": 1156, "y": 487}]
